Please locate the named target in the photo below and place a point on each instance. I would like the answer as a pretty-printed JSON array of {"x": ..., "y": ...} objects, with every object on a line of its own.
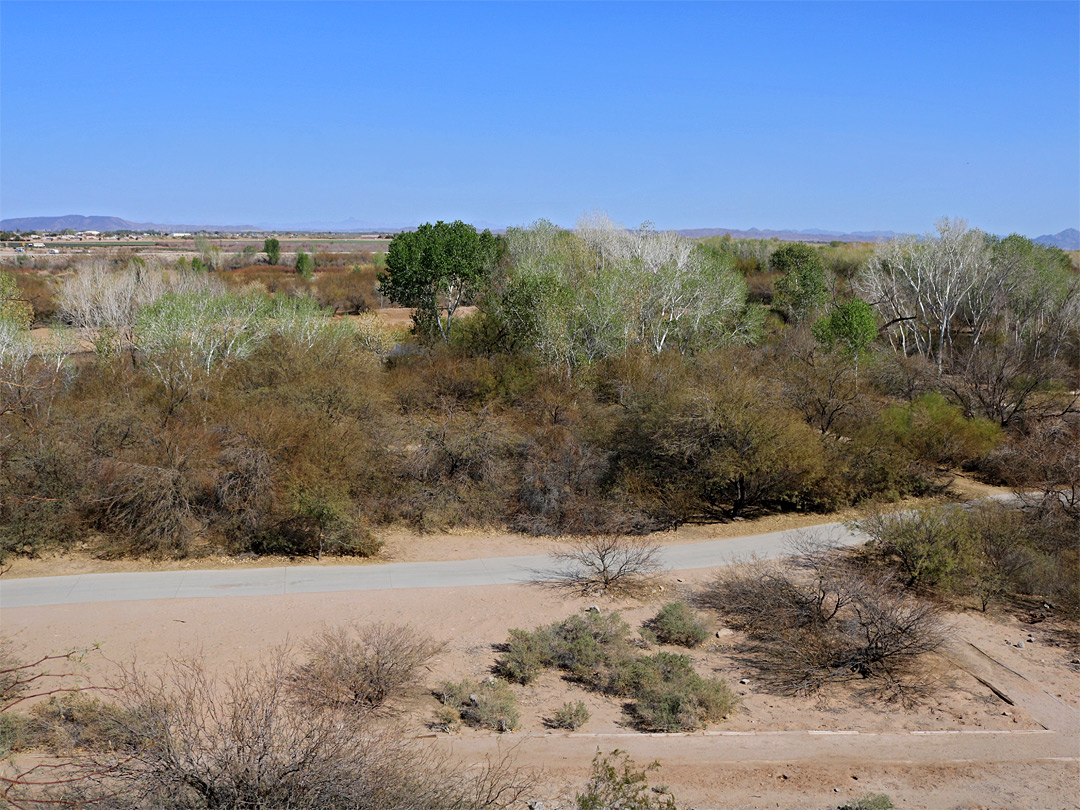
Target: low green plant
[
  {"x": 582, "y": 645},
  {"x": 669, "y": 695},
  {"x": 593, "y": 649},
  {"x": 570, "y": 716},
  {"x": 871, "y": 801},
  {"x": 617, "y": 783},
  {"x": 487, "y": 704},
  {"x": 677, "y": 624},
  {"x": 525, "y": 655}
]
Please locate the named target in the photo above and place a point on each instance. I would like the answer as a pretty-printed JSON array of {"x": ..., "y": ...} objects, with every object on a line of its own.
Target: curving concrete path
[{"x": 202, "y": 584}]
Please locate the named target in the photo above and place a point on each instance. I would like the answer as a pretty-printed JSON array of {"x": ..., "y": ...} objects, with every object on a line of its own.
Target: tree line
[{"x": 608, "y": 380}]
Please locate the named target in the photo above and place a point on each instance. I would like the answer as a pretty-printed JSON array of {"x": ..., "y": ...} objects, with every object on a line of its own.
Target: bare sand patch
[{"x": 473, "y": 620}]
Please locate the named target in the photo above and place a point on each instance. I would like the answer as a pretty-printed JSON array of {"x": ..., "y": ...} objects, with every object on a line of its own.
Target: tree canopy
[
  {"x": 435, "y": 269},
  {"x": 804, "y": 287}
]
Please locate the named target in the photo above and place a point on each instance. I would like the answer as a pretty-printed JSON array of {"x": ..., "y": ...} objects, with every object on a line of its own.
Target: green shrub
[
  {"x": 488, "y": 704},
  {"x": 931, "y": 546},
  {"x": 582, "y": 645},
  {"x": 570, "y": 716},
  {"x": 684, "y": 705},
  {"x": 677, "y": 624},
  {"x": 525, "y": 655},
  {"x": 669, "y": 695},
  {"x": 305, "y": 265},
  {"x": 935, "y": 430},
  {"x": 616, "y": 783}
]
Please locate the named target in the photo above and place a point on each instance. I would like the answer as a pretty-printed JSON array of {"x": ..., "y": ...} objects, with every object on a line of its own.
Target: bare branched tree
[{"x": 608, "y": 562}]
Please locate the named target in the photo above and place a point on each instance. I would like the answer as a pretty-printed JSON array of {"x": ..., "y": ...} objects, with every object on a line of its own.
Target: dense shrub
[
  {"x": 677, "y": 624},
  {"x": 986, "y": 552},
  {"x": 933, "y": 429},
  {"x": 593, "y": 649},
  {"x": 670, "y": 696},
  {"x": 227, "y": 411}
]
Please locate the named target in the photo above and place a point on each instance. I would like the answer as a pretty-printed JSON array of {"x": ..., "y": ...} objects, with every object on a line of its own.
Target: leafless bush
[
  {"x": 245, "y": 488},
  {"x": 243, "y": 743},
  {"x": 365, "y": 670},
  {"x": 147, "y": 503},
  {"x": 820, "y": 621},
  {"x": 608, "y": 562},
  {"x": 53, "y": 675}
]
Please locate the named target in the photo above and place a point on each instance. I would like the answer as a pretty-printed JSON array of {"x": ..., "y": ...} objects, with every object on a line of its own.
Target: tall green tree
[
  {"x": 849, "y": 328},
  {"x": 305, "y": 265},
  {"x": 804, "y": 287},
  {"x": 435, "y": 269},
  {"x": 272, "y": 249}
]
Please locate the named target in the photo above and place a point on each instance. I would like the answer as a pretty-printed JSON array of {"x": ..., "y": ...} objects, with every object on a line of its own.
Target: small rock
[
  {"x": 724, "y": 631},
  {"x": 853, "y": 776},
  {"x": 744, "y": 681},
  {"x": 677, "y": 579},
  {"x": 836, "y": 790},
  {"x": 1075, "y": 661},
  {"x": 536, "y": 805},
  {"x": 1006, "y": 714},
  {"x": 592, "y": 609},
  {"x": 1020, "y": 644}
]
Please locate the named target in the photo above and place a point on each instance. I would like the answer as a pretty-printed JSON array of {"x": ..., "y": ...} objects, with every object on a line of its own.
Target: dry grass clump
[
  {"x": 364, "y": 669},
  {"x": 489, "y": 704}
]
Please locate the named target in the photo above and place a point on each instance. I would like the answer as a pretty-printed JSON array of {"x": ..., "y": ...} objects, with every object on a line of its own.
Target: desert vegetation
[
  {"x": 281, "y": 733},
  {"x": 663, "y": 691},
  {"x": 610, "y": 383}
]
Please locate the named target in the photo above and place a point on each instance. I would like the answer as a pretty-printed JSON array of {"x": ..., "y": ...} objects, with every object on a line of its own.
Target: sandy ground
[
  {"x": 961, "y": 747},
  {"x": 703, "y": 771}
]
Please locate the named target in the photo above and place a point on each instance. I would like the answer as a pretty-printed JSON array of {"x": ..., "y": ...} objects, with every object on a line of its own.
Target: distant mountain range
[
  {"x": 1068, "y": 239},
  {"x": 82, "y": 223},
  {"x": 807, "y": 235}
]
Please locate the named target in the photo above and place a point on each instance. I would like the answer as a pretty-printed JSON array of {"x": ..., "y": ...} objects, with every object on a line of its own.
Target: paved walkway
[{"x": 196, "y": 584}]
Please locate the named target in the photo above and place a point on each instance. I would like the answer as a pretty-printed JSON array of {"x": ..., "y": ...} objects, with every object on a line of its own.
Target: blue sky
[{"x": 845, "y": 116}]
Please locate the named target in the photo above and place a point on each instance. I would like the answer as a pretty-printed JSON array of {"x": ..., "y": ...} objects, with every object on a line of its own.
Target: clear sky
[{"x": 843, "y": 116}]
